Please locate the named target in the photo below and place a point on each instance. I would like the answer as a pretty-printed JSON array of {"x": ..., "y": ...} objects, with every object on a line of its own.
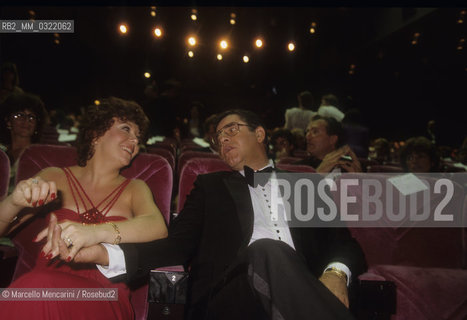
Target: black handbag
[{"x": 168, "y": 286}]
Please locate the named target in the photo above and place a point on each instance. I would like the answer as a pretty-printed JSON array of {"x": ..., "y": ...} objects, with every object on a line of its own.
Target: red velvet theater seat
[
  {"x": 153, "y": 169},
  {"x": 424, "y": 263},
  {"x": 384, "y": 168},
  {"x": 287, "y": 160},
  {"x": 295, "y": 167},
  {"x": 163, "y": 152},
  {"x": 191, "y": 170},
  {"x": 4, "y": 174},
  {"x": 185, "y": 156}
]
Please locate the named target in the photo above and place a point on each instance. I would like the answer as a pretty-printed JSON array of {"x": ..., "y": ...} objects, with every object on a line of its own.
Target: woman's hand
[
  {"x": 56, "y": 247},
  {"x": 34, "y": 192},
  {"x": 74, "y": 235}
]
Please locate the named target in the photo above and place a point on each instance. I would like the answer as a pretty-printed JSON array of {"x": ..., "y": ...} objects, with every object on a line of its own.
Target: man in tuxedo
[{"x": 241, "y": 265}]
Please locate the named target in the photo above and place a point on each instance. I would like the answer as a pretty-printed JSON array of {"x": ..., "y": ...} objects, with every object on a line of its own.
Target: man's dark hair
[
  {"x": 17, "y": 102},
  {"x": 250, "y": 118},
  {"x": 306, "y": 99},
  {"x": 211, "y": 120},
  {"x": 99, "y": 118},
  {"x": 420, "y": 145},
  {"x": 333, "y": 127},
  {"x": 9, "y": 67},
  {"x": 330, "y": 100}
]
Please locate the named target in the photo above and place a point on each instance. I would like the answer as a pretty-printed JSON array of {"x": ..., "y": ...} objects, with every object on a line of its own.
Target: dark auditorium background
[{"x": 400, "y": 67}]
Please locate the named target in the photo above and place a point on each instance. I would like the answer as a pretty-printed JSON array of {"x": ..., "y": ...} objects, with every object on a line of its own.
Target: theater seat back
[
  {"x": 4, "y": 174},
  {"x": 436, "y": 247},
  {"x": 191, "y": 170}
]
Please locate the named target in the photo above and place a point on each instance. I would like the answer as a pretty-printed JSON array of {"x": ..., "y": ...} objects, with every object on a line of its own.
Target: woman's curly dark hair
[{"x": 99, "y": 118}]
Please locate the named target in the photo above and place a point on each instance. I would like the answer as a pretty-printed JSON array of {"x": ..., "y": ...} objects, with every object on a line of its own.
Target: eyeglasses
[
  {"x": 230, "y": 129},
  {"x": 24, "y": 116}
]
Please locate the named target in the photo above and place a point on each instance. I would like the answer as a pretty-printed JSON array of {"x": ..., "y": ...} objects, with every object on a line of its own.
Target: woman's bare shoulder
[{"x": 51, "y": 173}]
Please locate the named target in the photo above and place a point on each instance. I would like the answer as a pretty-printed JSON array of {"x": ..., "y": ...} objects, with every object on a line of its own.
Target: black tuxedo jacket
[{"x": 214, "y": 225}]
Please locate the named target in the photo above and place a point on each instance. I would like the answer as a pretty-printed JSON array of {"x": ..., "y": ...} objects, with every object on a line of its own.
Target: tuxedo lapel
[{"x": 238, "y": 189}]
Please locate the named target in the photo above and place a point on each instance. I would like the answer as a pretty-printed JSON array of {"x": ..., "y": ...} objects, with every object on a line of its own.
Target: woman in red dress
[{"x": 98, "y": 206}]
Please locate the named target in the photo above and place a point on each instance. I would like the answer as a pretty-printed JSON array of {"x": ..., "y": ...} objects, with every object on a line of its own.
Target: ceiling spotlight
[
  {"x": 153, "y": 13},
  {"x": 194, "y": 14},
  {"x": 158, "y": 32},
  {"x": 232, "y": 18},
  {"x": 123, "y": 28},
  {"x": 97, "y": 102},
  {"x": 223, "y": 44},
  {"x": 258, "y": 43},
  {"x": 191, "y": 54},
  {"x": 147, "y": 75},
  {"x": 32, "y": 14},
  {"x": 192, "y": 41},
  {"x": 291, "y": 46},
  {"x": 313, "y": 27},
  {"x": 246, "y": 59},
  {"x": 219, "y": 57}
]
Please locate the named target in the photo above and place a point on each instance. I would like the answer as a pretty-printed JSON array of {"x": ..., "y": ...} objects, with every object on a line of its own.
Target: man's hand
[
  {"x": 337, "y": 285},
  {"x": 96, "y": 254}
]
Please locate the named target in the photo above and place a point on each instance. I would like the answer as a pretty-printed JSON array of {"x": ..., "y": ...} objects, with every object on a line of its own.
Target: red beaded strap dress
[{"x": 58, "y": 274}]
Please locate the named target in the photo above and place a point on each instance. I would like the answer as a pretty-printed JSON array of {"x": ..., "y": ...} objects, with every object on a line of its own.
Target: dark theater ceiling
[{"x": 409, "y": 62}]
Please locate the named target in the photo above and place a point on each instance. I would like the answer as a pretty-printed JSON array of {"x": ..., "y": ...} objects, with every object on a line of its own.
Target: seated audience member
[
  {"x": 9, "y": 81},
  {"x": 283, "y": 143},
  {"x": 325, "y": 145},
  {"x": 243, "y": 266},
  {"x": 209, "y": 133},
  {"x": 23, "y": 118},
  {"x": 419, "y": 155},
  {"x": 300, "y": 116},
  {"x": 380, "y": 151},
  {"x": 328, "y": 108},
  {"x": 96, "y": 206},
  {"x": 300, "y": 142},
  {"x": 196, "y": 119}
]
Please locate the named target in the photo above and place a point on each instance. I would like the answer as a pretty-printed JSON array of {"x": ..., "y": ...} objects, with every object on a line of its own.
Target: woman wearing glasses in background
[{"x": 23, "y": 116}]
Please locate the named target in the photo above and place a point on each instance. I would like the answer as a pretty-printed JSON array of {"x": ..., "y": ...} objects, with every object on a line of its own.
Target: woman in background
[{"x": 23, "y": 117}]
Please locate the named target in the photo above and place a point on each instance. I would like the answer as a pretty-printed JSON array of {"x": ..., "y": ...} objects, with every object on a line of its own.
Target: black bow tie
[{"x": 260, "y": 179}]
